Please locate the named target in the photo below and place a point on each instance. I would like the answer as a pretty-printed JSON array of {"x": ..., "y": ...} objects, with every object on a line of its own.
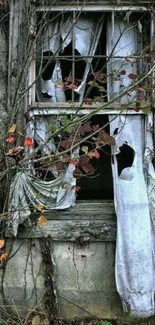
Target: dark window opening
[{"x": 99, "y": 185}]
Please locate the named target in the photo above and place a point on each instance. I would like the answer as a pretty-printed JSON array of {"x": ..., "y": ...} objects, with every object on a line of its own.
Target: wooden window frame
[{"x": 47, "y": 108}]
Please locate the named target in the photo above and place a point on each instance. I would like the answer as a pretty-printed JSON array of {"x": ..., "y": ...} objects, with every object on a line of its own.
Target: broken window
[
  {"x": 87, "y": 59},
  {"x": 90, "y": 58}
]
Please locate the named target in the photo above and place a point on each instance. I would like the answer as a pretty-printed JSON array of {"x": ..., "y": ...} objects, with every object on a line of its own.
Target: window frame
[{"x": 48, "y": 108}]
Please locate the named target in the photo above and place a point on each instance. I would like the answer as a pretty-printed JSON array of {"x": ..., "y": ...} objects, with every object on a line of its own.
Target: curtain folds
[
  {"x": 85, "y": 35},
  {"x": 118, "y": 69},
  {"x": 135, "y": 247}
]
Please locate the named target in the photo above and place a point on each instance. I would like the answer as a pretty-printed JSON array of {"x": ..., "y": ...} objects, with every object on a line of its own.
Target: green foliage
[{"x": 105, "y": 322}]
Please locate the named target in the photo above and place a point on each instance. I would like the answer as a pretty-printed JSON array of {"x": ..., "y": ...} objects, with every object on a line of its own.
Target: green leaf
[
  {"x": 52, "y": 127},
  {"x": 146, "y": 110},
  {"x": 92, "y": 83},
  {"x": 105, "y": 322},
  {"x": 101, "y": 89},
  {"x": 98, "y": 99}
]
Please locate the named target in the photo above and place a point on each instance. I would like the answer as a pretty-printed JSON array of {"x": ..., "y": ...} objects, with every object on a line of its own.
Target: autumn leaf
[
  {"x": 105, "y": 138},
  {"x": 42, "y": 221},
  {"x": 35, "y": 320},
  {"x": 72, "y": 86},
  {"x": 28, "y": 142},
  {"x": 93, "y": 154},
  {"x": 74, "y": 162},
  {"x": 76, "y": 188},
  {"x": 15, "y": 150},
  {"x": 141, "y": 89},
  {"x": 12, "y": 128},
  {"x": 40, "y": 207},
  {"x": 10, "y": 139},
  {"x": 2, "y": 242},
  {"x": 3, "y": 257},
  {"x": 84, "y": 149}
]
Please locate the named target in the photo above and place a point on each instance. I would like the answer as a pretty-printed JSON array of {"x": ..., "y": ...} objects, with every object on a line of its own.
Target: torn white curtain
[
  {"x": 87, "y": 31},
  {"x": 39, "y": 131},
  {"x": 27, "y": 192},
  {"x": 125, "y": 46},
  {"x": 134, "y": 249}
]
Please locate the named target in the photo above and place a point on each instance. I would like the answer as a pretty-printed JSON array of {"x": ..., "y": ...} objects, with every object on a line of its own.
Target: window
[{"x": 82, "y": 61}]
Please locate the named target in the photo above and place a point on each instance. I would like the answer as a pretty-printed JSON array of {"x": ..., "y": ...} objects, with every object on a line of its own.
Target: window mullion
[{"x": 73, "y": 55}]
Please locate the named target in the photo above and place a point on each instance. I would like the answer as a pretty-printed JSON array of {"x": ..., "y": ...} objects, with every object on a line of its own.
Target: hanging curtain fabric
[
  {"x": 86, "y": 31},
  {"x": 134, "y": 249},
  {"x": 134, "y": 183},
  {"x": 87, "y": 34},
  {"x": 121, "y": 70}
]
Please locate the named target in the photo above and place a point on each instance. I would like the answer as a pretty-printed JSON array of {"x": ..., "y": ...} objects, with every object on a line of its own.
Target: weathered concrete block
[{"x": 85, "y": 280}]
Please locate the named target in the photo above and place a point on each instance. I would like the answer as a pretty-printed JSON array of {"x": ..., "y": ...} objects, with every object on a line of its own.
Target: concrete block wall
[{"x": 83, "y": 278}]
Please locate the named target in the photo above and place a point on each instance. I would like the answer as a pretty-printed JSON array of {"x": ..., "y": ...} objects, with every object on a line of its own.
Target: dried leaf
[
  {"x": 40, "y": 207},
  {"x": 74, "y": 162},
  {"x": 42, "y": 221},
  {"x": 12, "y": 128},
  {"x": 14, "y": 151},
  {"x": 72, "y": 86},
  {"x": 3, "y": 257},
  {"x": 76, "y": 188},
  {"x": 88, "y": 168},
  {"x": 36, "y": 320},
  {"x": 141, "y": 89},
  {"x": 10, "y": 139},
  {"x": 105, "y": 138},
  {"x": 84, "y": 149},
  {"x": 28, "y": 142},
  {"x": 93, "y": 154},
  {"x": 2, "y": 242}
]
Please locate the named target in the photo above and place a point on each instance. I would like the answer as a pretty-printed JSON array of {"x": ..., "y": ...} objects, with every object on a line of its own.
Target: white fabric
[
  {"x": 86, "y": 31},
  {"x": 89, "y": 37},
  {"x": 134, "y": 249},
  {"x": 126, "y": 46},
  {"x": 27, "y": 191}
]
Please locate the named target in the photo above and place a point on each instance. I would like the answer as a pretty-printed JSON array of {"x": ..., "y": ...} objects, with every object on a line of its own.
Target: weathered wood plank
[
  {"x": 87, "y": 221},
  {"x": 83, "y": 210},
  {"x": 75, "y": 230}
]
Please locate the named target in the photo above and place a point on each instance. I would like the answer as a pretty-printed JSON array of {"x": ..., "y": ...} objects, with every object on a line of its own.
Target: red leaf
[
  {"x": 83, "y": 161},
  {"x": 74, "y": 162},
  {"x": 93, "y": 154},
  {"x": 85, "y": 128},
  {"x": 132, "y": 76},
  {"x": 28, "y": 142},
  {"x": 15, "y": 150},
  {"x": 76, "y": 188},
  {"x": 72, "y": 86},
  {"x": 88, "y": 168},
  {"x": 105, "y": 138},
  {"x": 10, "y": 139},
  {"x": 3, "y": 257}
]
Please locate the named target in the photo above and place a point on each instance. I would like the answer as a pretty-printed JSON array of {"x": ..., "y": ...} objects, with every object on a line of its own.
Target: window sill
[
  {"x": 87, "y": 221},
  {"x": 46, "y": 108}
]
